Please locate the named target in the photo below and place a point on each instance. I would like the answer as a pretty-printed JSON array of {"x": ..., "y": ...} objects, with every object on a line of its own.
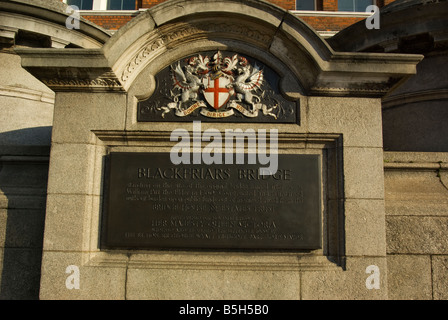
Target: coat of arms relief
[{"x": 216, "y": 86}]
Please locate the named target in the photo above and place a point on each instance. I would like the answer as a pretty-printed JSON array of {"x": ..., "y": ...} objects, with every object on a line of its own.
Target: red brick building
[{"x": 326, "y": 16}]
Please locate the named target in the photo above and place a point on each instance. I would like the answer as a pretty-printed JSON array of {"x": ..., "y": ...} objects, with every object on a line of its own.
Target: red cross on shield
[{"x": 216, "y": 93}]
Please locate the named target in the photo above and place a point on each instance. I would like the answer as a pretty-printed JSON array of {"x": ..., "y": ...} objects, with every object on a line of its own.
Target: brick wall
[
  {"x": 285, "y": 4},
  {"x": 330, "y": 5},
  {"x": 148, "y": 3},
  {"x": 318, "y": 23},
  {"x": 109, "y": 22},
  {"x": 330, "y": 23}
]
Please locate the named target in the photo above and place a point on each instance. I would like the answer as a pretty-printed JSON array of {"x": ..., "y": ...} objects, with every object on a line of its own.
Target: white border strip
[
  {"x": 109, "y": 12},
  {"x": 344, "y": 14}
]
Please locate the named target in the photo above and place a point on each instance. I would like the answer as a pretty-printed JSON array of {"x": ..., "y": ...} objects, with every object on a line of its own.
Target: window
[
  {"x": 121, "y": 5},
  {"x": 354, "y": 5},
  {"x": 305, "y": 5},
  {"x": 102, "y": 4},
  {"x": 81, "y": 4}
]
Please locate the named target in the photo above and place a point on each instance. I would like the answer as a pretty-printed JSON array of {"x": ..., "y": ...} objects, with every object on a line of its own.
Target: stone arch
[{"x": 256, "y": 28}]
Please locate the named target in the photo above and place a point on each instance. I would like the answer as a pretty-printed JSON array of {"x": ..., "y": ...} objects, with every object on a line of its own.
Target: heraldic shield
[
  {"x": 218, "y": 86},
  {"x": 216, "y": 91}
]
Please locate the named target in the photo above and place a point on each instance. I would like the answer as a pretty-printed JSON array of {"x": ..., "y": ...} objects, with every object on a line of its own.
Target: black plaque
[{"x": 154, "y": 204}]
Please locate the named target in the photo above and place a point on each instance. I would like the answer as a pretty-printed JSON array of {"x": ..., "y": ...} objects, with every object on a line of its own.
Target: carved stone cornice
[
  {"x": 372, "y": 90},
  {"x": 98, "y": 84},
  {"x": 395, "y": 100},
  {"x": 71, "y": 69}
]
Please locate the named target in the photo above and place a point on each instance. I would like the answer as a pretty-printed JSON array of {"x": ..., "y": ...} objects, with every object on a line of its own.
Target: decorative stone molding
[
  {"x": 28, "y": 94},
  {"x": 71, "y": 69},
  {"x": 98, "y": 84},
  {"x": 412, "y": 97},
  {"x": 183, "y": 32},
  {"x": 374, "y": 90}
]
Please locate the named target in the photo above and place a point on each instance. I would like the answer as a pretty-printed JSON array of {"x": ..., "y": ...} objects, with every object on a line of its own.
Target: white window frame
[
  {"x": 97, "y": 4},
  {"x": 373, "y": 3}
]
